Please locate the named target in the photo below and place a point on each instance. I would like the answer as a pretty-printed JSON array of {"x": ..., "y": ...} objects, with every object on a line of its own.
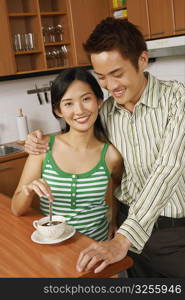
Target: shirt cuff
[{"x": 135, "y": 234}]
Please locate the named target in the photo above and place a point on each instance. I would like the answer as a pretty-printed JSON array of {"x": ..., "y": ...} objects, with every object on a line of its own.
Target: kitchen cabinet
[
  {"x": 36, "y": 44},
  {"x": 154, "y": 17},
  {"x": 46, "y": 35},
  {"x": 7, "y": 62},
  {"x": 157, "y": 18},
  {"x": 179, "y": 16},
  {"x": 85, "y": 15},
  {"x": 10, "y": 172},
  {"x": 138, "y": 15},
  {"x": 160, "y": 18}
]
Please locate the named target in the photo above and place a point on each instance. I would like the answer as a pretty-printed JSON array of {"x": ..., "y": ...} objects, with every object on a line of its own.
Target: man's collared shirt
[{"x": 152, "y": 143}]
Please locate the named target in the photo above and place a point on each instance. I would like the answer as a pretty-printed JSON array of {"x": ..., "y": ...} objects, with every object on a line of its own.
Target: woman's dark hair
[
  {"x": 62, "y": 83},
  {"x": 113, "y": 34}
]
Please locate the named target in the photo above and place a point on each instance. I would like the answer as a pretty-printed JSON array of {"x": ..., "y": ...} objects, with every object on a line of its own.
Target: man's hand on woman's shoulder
[{"x": 36, "y": 142}]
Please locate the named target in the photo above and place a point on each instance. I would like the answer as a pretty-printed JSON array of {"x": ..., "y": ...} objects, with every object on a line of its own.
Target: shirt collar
[{"x": 150, "y": 96}]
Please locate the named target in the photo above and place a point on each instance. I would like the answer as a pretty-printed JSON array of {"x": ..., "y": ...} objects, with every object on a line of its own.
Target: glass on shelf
[
  {"x": 52, "y": 33},
  {"x": 65, "y": 52},
  {"x": 24, "y": 42},
  {"x": 58, "y": 57},
  {"x": 59, "y": 32}
]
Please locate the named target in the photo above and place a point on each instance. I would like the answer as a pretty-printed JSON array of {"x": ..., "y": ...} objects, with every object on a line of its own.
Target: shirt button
[
  {"x": 74, "y": 176},
  {"x": 73, "y": 194},
  {"x": 73, "y": 184}
]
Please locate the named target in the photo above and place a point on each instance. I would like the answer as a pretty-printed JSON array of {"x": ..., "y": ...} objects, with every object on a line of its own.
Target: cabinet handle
[
  {"x": 6, "y": 168},
  {"x": 180, "y": 29},
  {"x": 156, "y": 33}
]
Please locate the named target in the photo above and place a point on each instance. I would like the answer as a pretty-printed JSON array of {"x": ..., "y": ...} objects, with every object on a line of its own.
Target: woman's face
[{"x": 79, "y": 106}]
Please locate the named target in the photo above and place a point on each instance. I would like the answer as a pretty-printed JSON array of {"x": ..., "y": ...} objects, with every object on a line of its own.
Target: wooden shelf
[
  {"x": 31, "y": 71},
  {"x": 28, "y": 52},
  {"x": 42, "y": 70},
  {"x": 124, "y": 18},
  {"x": 59, "y": 68},
  {"x": 52, "y": 13},
  {"x": 56, "y": 44},
  {"x": 20, "y": 15},
  {"x": 86, "y": 66}
]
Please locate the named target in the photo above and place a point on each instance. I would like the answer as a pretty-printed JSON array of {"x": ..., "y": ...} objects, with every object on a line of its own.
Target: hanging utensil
[
  {"x": 46, "y": 97},
  {"x": 38, "y": 94}
]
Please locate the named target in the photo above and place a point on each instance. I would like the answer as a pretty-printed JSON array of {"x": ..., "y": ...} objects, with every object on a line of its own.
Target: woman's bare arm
[{"x": 30, "y": 184}]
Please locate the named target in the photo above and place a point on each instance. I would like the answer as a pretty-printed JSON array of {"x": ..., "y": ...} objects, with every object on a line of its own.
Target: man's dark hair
[{"x": 113, "y": 34}]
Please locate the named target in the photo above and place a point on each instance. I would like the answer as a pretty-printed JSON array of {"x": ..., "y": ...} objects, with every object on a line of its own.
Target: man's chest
[{"x": 138, "y": 136}]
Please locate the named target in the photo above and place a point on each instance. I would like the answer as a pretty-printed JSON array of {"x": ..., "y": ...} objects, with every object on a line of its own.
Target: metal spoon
[{"x": 50, "y": 212}]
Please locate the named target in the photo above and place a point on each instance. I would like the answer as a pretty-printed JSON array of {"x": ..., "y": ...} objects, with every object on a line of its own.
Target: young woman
[{"x": 80, "y": 165}]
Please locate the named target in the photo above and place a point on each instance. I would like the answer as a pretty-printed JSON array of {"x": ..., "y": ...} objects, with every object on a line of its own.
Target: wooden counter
[
  {"x": 13, "y": 156},
  {"x": 21, "y": 257},
  {"x": 11, "y": 167}
]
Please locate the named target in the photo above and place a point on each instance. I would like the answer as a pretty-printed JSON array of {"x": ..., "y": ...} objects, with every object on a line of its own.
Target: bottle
[{"x": 22, "y": 125}]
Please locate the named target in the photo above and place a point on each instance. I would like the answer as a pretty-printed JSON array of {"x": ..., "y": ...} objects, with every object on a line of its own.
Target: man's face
[{"x": 119, "y": 77}]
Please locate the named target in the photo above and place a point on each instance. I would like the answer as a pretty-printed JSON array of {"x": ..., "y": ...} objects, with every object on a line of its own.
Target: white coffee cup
[{"x": 50, "y": 232}]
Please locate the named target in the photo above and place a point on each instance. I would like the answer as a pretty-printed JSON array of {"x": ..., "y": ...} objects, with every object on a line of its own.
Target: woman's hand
[
  {"x": 35, "y": 143},
  {"x": 40, "y": 187},
  {"x": 105, "y": 253}
]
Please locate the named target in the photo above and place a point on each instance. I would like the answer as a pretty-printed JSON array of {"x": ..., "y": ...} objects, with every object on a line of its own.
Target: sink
[{"x": 7, "y": 150}]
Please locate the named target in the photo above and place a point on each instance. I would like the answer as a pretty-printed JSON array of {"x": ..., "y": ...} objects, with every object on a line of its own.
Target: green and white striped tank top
[{"x": 80, "y": 198}]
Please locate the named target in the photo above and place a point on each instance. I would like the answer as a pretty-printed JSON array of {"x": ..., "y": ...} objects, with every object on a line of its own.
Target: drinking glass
[{"x": 59, "y": 32}]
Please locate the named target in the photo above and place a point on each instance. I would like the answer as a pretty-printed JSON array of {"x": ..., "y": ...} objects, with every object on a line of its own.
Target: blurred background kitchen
[{"x": 42, "y": 37}]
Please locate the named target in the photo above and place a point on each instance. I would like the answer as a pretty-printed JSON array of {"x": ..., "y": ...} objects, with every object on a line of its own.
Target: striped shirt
[
  {"x": 152, "y": 143},
  {"x": 80, "y": 198}
]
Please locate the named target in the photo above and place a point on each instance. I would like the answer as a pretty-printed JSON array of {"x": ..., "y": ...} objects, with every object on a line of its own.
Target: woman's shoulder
[
  {"x": 114, "y": 160},
  {"x": 113, "y": 155}
]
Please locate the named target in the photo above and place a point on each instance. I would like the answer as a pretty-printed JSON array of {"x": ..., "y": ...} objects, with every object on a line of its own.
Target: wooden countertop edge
[
  {"x": 108, "y": 270},
  {"x": 13, "y": 156}
]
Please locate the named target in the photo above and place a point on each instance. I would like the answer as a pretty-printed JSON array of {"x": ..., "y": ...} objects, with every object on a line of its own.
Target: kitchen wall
[
  {"x": 169, "y": 68},
  {"x": 13, "y": 95}
]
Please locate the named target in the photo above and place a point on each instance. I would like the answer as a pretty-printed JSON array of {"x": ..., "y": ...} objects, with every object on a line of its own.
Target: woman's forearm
[{"x": 21, "y": 202}]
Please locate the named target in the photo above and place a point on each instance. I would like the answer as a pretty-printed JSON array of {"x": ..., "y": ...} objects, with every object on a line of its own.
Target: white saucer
[{"x": 69, "y": 232}]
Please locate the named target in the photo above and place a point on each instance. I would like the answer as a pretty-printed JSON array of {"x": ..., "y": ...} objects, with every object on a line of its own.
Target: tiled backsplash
[{"x": 13, "y": 95}]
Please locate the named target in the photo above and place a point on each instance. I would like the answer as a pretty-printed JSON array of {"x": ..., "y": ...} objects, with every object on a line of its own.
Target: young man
[{"x": 145, "y": 120}]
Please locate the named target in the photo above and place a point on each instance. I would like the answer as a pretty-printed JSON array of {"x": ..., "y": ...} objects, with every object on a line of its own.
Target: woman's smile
[{"x": 82, "y": 119}]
